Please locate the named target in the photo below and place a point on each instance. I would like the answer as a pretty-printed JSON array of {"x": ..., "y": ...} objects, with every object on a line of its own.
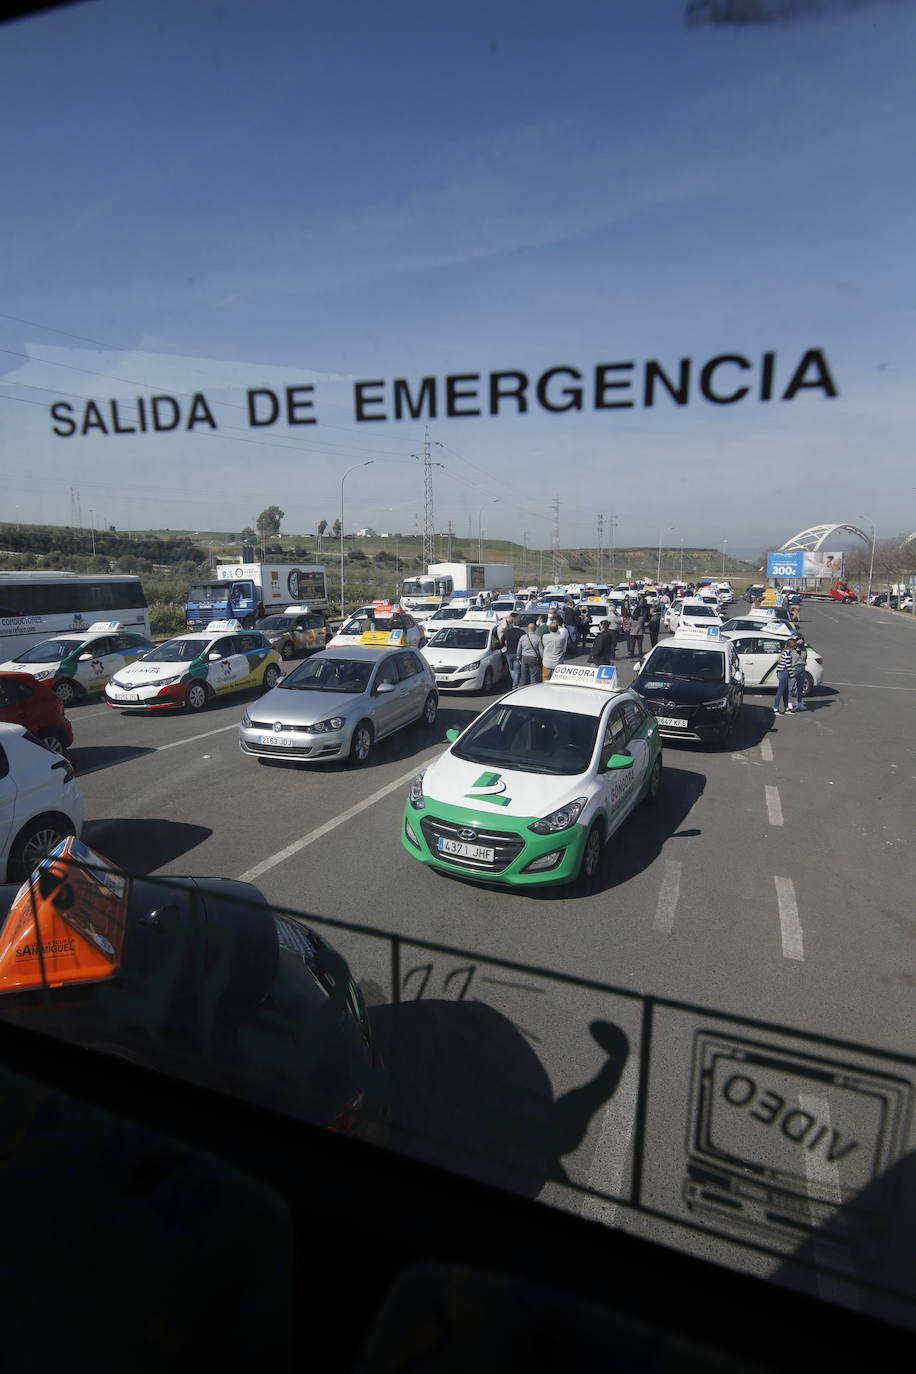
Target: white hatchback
[
  {"x": 40, "y": 802},
  {"x": 466, "y": 656}
]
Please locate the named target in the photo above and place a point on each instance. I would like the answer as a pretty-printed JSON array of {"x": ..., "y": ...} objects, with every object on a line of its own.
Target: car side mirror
[
  {"x": 83, "y": 658},
  {"x": 618, "y": 761},
  {"x": 384, "y": 687},
  {"x": 452, "y": 735},
  {"x": 213, "y": 658}
]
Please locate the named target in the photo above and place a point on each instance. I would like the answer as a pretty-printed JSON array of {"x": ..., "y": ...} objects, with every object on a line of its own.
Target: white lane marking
[
  {"x": 878, "y": 686},
  {"x": 774, "y": 805},
  {"x": 282, "y": 854},
  {"x": 155, "y": 749},
  {"x": 668, "y": 897},
  {"x": 161, "y": 748},
  {"x": 793, "y": 946},
  {"x": 766, "y": 750},
  {"x": 909, "y": 672},
  {"x": 823, "y": 1181},
  {"x": 612, "y": 1153}
]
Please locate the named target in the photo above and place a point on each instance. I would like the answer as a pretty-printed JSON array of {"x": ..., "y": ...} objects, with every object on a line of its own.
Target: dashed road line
[
  {"x": 282, "y": 854},
  {"x": 612, "y": 1153},
  {"x": 145, "y": 751},
  {"x": 766, "y": 750},
  {"x": 823, "y": 1182},
  {"x": 774, "y": 806},
  {"x": 793, "y": 946},
  {"x": 666, "y": 909}
]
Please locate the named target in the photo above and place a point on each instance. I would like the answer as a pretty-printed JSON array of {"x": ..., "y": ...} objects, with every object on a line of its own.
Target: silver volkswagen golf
[{"x": 339, "y": 703}]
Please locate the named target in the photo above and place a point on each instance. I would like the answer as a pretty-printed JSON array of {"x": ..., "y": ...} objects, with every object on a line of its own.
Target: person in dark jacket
[
  {"x": 604, "y": 645},
  {"x": 653, "y": 623}
]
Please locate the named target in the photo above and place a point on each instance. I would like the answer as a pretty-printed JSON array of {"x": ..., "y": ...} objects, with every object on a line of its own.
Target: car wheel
[
  {"x": 196, "y": 697},
  {"x": 653, "y": 786},
  {"x": 66, "y": 691},
  {"x": 430, "y": 709},
  {"x": 487, "y": 684},
  {"x": 591, "y": 854},
  {"x": 271, "y": 676},
  {"x": 361, "y": 743},
  {"x": 53, "y": 741},
  {"x": 34, "y": 842},
  {"x": 807, "y": 685},
  {"x": 287, "y": 651}
]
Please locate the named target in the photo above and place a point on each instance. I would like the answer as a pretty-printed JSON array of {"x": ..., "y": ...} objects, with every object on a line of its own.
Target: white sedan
[
  {"x": 40, "y": 802},
  {"x": 758, "y": 654},
  {"x": 352, "y": 630},
  {"x": 466, "y": 657}
]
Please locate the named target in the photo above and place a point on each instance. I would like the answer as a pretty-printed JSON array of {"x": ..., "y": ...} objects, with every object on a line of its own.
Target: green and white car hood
[{"x": 491, "y": 792}]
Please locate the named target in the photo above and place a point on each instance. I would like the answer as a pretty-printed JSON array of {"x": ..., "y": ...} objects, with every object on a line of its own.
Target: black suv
[{"x": 694, "y": 688}]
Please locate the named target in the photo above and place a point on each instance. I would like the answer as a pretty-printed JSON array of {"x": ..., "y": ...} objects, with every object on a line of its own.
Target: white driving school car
[
  {"x": 189, "y": 670},
  {"x": 79, "y": 665},
  {"x": 536, "y": 785},
  {"x": 466, "y": 656}
]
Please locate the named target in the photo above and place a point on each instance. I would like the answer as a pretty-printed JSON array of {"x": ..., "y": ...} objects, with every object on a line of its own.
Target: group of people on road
[
  {"x": 536, "y": 643},
  {"x": 790, "y": 677}
]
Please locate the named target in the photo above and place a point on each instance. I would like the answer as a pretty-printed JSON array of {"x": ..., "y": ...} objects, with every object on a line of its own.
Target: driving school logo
[{"x": 487, "y": 788}]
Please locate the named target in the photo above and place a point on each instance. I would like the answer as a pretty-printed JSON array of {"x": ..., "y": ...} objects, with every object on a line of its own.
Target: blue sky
[{"x": 213, "y": 197}]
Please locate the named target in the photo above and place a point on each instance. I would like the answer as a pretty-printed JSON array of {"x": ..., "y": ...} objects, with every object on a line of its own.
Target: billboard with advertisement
[{"x": 802, "y": 563}]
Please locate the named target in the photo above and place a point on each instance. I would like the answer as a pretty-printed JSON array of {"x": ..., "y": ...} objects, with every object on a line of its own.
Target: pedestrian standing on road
[
  {"x": 783, "y": 670},
  {"x": 797, "y": 673},
  {"x": 555, "y": 643},
  {"x": 530, "y": 655},
  {"x": 509, "y": 638},
  {"x": 653, "y": 623},
  {"x": 613, "y": 625},
  {"x": 604, "y": 645},
  {"x": 635, "y": 633},
  {"x": 583, "y": 625},
  {"x": 541, "y": 624}
]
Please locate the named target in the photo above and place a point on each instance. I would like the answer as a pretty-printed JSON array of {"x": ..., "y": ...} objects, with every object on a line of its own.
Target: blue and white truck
[{"x": 240, "y": 589}]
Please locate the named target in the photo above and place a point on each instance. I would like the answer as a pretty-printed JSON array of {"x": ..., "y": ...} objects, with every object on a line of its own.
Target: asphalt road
[{"x": 635, "y": 1052}]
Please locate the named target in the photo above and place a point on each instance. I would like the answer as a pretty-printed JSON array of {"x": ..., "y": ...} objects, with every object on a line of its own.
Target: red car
[{"x": 36, "y": 707}]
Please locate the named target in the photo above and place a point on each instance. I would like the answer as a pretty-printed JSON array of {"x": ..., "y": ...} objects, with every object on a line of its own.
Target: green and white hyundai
[{"x": 532, "y": 791}]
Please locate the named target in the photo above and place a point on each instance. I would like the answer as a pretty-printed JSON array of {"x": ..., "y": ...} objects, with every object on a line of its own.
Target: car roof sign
[
  {"x": 102, "y": 625},
  {"x": 383, "y": 639},
  {"x": 222, "y": 626},
  {"x": 602, "y": 675}
]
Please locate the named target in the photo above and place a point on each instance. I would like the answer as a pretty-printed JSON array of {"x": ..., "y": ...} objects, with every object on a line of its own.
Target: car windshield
[
  {"x": 691, "y": 665},
  {"x": 459, "y": 637},
  {"x": 276, "y": 622},
  {"x": 51, "y": 651},
  {"x": 529, "y": 739},
  {"x": 452, "y": 613},
  {"x": 177, "y": 651},
  {"x": 328, "y": 673},
  {"x": 697, "y": 612}
]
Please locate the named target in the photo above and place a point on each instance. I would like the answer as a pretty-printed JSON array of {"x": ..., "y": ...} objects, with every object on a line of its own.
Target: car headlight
[
  {"x": 471, "y": 667},
  {"x": 716, "y": 705},
  {"x": 561, "y": 819},
  {"x": 166, "y": 681},
  {"x": 417, "y": 798},
  {"x": 324, "y": 727},
  {"x": 49, "y": 672}
]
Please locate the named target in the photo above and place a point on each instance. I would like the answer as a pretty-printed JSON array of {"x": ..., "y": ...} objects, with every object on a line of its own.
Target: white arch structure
[{"x": 816, "y": 536}]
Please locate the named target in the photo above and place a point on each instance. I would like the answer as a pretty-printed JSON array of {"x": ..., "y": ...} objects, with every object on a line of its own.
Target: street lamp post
[
  {"x": 871, "y": 566},
  {"x": 342, "y": 480},
  {"x": 724, "y": 544},
  {"x": 92, "y": 529},
  {"x": 658, "y": 570},
  {"x": 494, "y": 502}
]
